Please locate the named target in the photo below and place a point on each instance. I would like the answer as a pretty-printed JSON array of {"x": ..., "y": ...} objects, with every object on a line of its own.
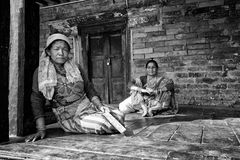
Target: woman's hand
[
  {"x": 40, "y": 124},
  {"x": 34, "y": 137},
  {"x": 104, "y": 109}
]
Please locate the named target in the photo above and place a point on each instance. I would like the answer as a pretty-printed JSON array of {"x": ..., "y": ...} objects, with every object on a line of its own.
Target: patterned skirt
[{"x": 83, "y": 117}]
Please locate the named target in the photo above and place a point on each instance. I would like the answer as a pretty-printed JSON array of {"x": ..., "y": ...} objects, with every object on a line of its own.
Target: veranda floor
[{"x": 191, "y": 134}]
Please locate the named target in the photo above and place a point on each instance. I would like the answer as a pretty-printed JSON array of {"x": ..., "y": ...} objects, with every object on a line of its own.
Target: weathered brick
[
  {"x": 143, "y": 51},
  {"x": 181, "y": 75},
  {"x": 180, "y": 86},
  {"x": 206, "y": 80},
  {"x": 233, "y": 86},
  {"x": 196, "y": 74},
  {"x": 179, "y": 47},
  {"x": 163, "y": 49},
  {"x": 156, "y": 33},
  {"x": 220, "y": 86},
  {"x": 219, "y": 39},
  {"x": 196, "y": 1},
  {"x": 161, "y": 38},
  {"x": 214, "y": 74},
  {"x": 196, "y": 41},
  {"x": 197, "y": 52},
  {"x": 175, "y": 42},
  {"x": 234, "y": 73},
  {"x": 139, "y": 40},
  {"x": 154, "y": 55},
  {"x": 177, "y": 30},
  {"x": 186, "y": 35},
  {"x": 137, "y": 35},
  {"x": 229, "y": 80},
  {"x": 198, "y": 46},
  {"x": 171, "y": 8},
  {"x": 155, "y": 44},
  {"x": 138, "y": 56},
  {"x": 153, "y": 28},
  {"x": 179, "y": 53},
  {"x": 139, "y": 45},
  {"x": 211, "y": 3},
  {"x": 197, "y": 86},
  {"x": 196, "y": 68},
  {"x": 185, "y": 80},
  {"x": 215, "y": 68}
]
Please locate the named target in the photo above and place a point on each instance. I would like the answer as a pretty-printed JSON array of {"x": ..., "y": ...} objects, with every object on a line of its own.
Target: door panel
[
  {"x": 116, "y": 69},
  {"x": 96, "y": 64},
  {"x": 106, "y": 68}
]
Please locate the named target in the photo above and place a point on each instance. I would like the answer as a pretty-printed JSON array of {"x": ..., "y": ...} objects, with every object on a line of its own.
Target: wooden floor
[{"x": 187, "y": 135}]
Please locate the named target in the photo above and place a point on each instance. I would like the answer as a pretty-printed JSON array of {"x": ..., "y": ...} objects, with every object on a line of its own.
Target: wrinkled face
[
  {"x": 59, "y": 51},
  {"x": 151, "y": 69}
]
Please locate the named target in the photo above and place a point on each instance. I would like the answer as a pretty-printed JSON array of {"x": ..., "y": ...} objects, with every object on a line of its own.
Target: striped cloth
[{"x": 83, "y": 117}]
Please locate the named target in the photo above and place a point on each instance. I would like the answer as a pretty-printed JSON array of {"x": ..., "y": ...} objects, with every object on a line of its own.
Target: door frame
[{"x": 85, "y": 30}]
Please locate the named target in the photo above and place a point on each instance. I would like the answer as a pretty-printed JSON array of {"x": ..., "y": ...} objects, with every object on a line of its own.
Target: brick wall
[{"x": 196, "y": 43}]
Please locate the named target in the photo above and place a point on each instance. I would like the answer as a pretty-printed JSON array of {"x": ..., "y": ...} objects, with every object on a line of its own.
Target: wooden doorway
[{"x": 106, "y": 62}]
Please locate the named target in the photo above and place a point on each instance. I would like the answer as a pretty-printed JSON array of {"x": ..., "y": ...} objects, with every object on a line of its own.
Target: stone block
[
  {"x": 137, "y": 35},
  {"x": 186, "y": 36},
  {"x": 233, "y": 86},
  {"x": 181, "y": 75},
  {"x": 155, "y": 44},
  {"x": 156, "y": 33},
  {"x": 215, "y": 68},
  {"x": 179, "y": 53},
  {"x": 196, "y": 74},
  {"x": 211, "y": 3},
  {"x": 177, "y": 30},
  {"x": 196, "y": 41},
  {"x": 163, "y": 49},
  {"x": 175, "y": 42},
  {"x": 198, "y": 46},
  {"x": 196, "y": 1},
  {"x": 198, "y": 52},
  {"x": 139, "y": 45},
  {"x": 152, "y": 29},
  {"x": 138, "y": 56},
  {"x": 154, "y": 55},
  {"x": 143, "y": 51}
]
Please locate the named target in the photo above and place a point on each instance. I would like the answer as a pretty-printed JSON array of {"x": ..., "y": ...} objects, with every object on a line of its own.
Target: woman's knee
[{"x": 125, "y": 106}]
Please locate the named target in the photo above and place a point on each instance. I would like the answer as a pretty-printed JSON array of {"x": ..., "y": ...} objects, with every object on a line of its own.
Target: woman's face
[
  {"x": 59, "y": 51},
  {"x": 151, "y": 69}
]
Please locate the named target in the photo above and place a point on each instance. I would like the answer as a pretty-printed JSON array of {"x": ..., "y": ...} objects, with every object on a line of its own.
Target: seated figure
[
  {"x": 152, "y": 94},
  {"x": 75, "y": 102}
]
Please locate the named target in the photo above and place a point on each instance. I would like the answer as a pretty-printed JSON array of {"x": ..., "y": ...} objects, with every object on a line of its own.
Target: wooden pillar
[{"x": 16, "y": 67}]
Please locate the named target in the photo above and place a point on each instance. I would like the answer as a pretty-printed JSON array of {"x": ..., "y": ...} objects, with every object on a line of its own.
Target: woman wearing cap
[
  {"x": 74, "y": 100},
  {"x": 152, "y": 94}
]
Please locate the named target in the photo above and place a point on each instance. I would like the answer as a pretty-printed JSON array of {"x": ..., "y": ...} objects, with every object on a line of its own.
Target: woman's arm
[
  {"x": 37, "y": 98},
  {"x": 37, "y": 103}
]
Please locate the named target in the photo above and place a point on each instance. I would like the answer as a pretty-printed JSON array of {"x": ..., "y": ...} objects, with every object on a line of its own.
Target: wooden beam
[{"x": 16, "y": 67}]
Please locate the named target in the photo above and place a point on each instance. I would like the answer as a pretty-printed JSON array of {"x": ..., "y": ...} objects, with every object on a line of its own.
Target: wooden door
[
  {"x": 106, "y": 65},
  {"x": 4, "y": 66}
]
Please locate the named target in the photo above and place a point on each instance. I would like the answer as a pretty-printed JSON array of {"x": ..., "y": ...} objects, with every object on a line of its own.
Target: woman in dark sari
[
  {"x": 74, "y": 100},
  {"x": 153, "y": 94}
]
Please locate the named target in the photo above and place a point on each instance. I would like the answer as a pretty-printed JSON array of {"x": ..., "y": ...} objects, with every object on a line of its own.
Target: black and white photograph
[{"x": 120, "y": 80}]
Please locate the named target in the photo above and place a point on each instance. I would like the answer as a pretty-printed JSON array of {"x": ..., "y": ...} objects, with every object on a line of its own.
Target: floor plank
[{"x": 188, "y": 132}]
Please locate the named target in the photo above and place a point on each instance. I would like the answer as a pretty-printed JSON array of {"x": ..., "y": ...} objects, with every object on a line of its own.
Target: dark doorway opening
[{"x": 4, "y": 70}]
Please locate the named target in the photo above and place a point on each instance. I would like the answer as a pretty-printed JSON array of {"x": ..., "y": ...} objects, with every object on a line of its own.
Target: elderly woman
[
  {"x": 74, "y": 100},
  {"x": 151, "y": 94}
]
